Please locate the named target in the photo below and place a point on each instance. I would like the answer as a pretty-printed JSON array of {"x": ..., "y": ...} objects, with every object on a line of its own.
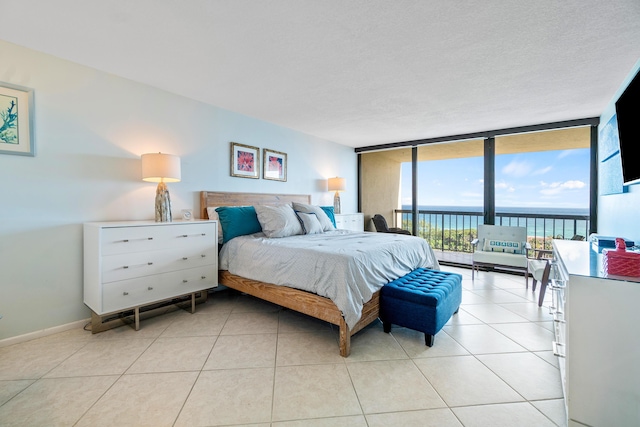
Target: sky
[{"x": 547, "y": 179}]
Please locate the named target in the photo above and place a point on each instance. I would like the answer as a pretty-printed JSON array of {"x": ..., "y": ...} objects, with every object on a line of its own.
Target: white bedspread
[{"x": 344, "y": 266}]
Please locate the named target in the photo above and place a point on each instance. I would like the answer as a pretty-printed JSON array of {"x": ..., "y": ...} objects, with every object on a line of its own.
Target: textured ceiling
[{"x": 357, "y": 72}]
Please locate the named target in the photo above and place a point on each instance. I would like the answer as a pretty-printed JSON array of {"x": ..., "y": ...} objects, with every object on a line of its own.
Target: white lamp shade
[
  {"x": 158, "y": 167},
  {"x": 337, "y": 184}
]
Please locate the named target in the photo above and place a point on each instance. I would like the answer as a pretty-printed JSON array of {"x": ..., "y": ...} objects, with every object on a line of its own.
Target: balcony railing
[{"x": 454, "y": 230}]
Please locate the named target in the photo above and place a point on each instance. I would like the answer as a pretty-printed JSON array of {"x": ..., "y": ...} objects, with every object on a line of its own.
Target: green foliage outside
[{"x": 459, "y": 240}]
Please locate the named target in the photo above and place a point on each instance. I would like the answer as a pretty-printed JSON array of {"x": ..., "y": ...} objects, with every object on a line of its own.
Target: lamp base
[
  {"x": 163, "y": 203},
  {"x": 336, "y": 203}
]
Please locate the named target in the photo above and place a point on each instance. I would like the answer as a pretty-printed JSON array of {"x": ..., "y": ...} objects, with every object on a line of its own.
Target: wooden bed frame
[{"x": 304, "y": 302}]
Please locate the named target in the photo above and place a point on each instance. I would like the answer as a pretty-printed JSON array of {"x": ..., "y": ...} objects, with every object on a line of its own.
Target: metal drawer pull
[
  {"x": 184, "y": 280},
  {"x": 150, "y": 288},
  {"x": 556, "y": 349},
  {"x": 203, "y": 277},
  {"x": 203, "y": 256},
  {"x": 125, "y": 293},
  {"x": 142, "y": 238},
  {"x": 185, "y": 258},
  {"x": 193, "y": 235},
  {"x": 137, "y": 265}
]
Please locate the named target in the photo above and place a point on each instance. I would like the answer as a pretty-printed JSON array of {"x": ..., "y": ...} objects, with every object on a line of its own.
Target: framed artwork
[
  {"x": 245, "y": 161},
  {"x": 16, "y": 120},
  {"x": 275, "y": 165}
]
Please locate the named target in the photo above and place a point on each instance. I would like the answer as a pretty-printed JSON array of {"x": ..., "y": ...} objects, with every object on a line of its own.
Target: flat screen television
[{"x": 628, "y": 118}]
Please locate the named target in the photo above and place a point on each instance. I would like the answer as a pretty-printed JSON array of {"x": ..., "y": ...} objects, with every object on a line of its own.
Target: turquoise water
[{"x": 565, "y": 228}]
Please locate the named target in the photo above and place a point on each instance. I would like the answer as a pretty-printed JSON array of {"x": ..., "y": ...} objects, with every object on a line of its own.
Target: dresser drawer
[
  {"x": 126, "y": 294},
  {"x": 130, "y": 264},
  {"x": 124, "y": 240},
  {"x": 191, "y": 280},
  {"x": 140, "y": 264}
]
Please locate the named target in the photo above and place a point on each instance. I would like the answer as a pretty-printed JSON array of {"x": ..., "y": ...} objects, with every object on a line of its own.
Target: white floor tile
[
  {"x": 111, "y": 357},
  {"x": 243, "y": 351},
  {"x": 308, "y": 349},
  {"x": 463, "y": 380},
  {"x": 314, "y": 391},
  {"x": 244, "y": 362},
  {"x": 554, "y": 410},
  {"x": 505, "y": 415},
  {"x": 526, "y": 373},
  {"x": 372, "y": 343},
  {"x": 481, "y": 339},
  {"x": 174, "y": 355},
  {"x": 141, "y": 400},
  {"x": 391, "y": 386},
  {"x": 54, "y": 402},
  {"x": 350, "y": 421},
  {"x": 414, "y": 345},
  {"x": 207, "y": 324},
  {"x": 529, "y": 335},
  {"x": 230, "y": 396},
  {"x": 290, "y": 321},
  {"x": 251, "y": 323},
  {"x": 33, "y": 359},
  {"x": 426, "y": 418},
  {"x": 529, "y": 311},
  {"x": 492, "y": 313},
  {"x": 8, "y": 389},
  {"x": 498, "y": 296}
]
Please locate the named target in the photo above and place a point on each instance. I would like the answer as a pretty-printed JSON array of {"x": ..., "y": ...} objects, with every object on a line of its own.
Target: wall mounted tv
[{"x": 628, "y": 118}]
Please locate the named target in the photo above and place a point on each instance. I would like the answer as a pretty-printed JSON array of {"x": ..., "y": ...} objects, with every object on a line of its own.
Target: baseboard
[{"x": 43, "y": 333}]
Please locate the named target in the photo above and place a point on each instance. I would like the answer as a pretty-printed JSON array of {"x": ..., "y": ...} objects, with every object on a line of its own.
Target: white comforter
[{"x": 344, "y": 266}]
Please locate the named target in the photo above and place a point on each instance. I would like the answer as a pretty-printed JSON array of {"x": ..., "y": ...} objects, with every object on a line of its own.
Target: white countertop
[{"x": 581, "y": 259}]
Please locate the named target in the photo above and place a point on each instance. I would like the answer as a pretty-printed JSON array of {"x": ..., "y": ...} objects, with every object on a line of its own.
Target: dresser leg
[{"x": 136, "y": 315}]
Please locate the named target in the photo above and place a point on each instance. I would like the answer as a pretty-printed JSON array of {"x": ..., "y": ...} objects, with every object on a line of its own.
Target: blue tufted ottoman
[{"x": 423, "y": 300}]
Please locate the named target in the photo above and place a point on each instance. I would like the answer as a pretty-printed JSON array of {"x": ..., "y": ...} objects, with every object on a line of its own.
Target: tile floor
[{"x": 241, "y": 361}]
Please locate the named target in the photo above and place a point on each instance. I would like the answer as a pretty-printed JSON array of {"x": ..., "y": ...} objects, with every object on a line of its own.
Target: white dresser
[
  {"x": 128, "y": 265},
  {"x": 597, "y": 322},
  {"x": 350, "y": 221}
]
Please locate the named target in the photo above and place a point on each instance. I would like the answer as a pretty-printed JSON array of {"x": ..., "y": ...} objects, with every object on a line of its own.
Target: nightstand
[{"x": 350, "y": 221}]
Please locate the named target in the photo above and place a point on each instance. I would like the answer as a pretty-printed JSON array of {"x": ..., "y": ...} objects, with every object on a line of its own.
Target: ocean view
[
  {"x": 537, "y": 210},
  {"x": 564, "y": 221}
]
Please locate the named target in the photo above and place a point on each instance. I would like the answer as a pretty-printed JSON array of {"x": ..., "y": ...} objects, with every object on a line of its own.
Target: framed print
[
  {"x": 245, "y": 161},
  {"x": 16, "y": 120},
  {"x": 275, "y": 165}
]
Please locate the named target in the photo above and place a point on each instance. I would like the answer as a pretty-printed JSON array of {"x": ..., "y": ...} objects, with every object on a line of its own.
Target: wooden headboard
[{"x": 220, "y": 198}]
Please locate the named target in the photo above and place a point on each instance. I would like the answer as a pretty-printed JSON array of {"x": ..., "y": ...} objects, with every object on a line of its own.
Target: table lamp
[
  {"x": 161, "y": 168},
  {"x": 337, "y": 184}
]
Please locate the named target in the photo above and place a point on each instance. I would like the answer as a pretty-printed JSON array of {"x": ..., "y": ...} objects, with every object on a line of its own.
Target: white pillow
[
  {"x": 278, "y": 221},
  {"x": 310, "y": 223},
  {"x": 213, "y": 215},
  {"x": 326, "y": 223}
]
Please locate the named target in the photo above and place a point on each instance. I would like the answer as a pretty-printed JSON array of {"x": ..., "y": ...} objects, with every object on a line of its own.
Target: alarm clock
[{"x": 187, "y": 214}]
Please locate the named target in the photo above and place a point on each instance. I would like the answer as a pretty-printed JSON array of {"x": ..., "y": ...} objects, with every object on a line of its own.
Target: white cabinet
[
  {"x": 601, "y": 348},
  {"x": 350, "y": 221},
  {"x": 128, "y": 265}
]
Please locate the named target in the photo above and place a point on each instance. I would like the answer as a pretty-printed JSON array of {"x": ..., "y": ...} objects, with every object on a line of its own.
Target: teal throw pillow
[
  {"x": 238, "y": 221},
  {"x": 330, "y": 213}
]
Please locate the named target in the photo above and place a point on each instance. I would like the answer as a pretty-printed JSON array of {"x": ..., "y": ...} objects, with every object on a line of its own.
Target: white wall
[
  {"x": 90, "y": 130},
  {"x": 618, "y": 213}
]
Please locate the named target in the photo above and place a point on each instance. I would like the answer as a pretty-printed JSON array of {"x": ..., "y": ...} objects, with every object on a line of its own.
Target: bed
[{"x": 293, "y": 297}]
